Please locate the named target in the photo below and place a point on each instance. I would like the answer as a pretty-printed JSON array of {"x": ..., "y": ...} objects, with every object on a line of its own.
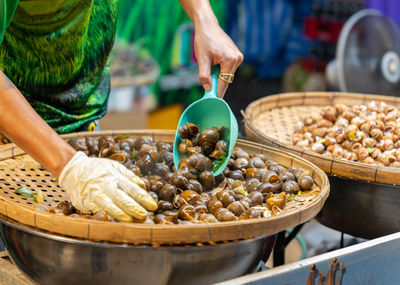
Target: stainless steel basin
[
  {"x": 361, "y": 209},
  {"x": 53, "y": 259}
]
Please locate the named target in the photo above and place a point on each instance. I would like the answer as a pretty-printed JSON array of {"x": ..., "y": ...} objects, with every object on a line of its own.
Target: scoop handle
[{"x": 213, "y": 91}]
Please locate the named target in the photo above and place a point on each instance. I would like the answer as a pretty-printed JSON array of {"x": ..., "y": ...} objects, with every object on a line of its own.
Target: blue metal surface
[{"x": 372, "y": 262}]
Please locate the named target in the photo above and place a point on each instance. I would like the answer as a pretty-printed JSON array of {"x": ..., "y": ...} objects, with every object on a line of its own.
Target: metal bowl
[
  {"x": 53, "y": 259},
  {"x": 362, "y": 209}
]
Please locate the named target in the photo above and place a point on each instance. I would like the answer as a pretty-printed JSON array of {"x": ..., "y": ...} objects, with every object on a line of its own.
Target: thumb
[{"x": 205, "y": 73}]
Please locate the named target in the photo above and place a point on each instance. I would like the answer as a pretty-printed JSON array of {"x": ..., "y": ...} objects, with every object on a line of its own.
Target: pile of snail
[
  {"x": 251, "y": 186},
  {"x": 365, "y": 133}
]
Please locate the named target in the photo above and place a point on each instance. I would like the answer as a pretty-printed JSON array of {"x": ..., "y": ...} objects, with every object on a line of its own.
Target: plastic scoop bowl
[{"x": 209, "y": 111}]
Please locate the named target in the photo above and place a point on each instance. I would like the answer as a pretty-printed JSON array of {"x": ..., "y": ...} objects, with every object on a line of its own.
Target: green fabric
[
  {"x": 151, "y": 24},
  {"x": 7, "y": 10},
  {"x": 55, "y": 52}
]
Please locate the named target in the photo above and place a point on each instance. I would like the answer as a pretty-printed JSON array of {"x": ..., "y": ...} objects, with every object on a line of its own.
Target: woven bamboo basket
[
  {"x": 17, "y": 169},
  {"x": 272, "y": 121}
]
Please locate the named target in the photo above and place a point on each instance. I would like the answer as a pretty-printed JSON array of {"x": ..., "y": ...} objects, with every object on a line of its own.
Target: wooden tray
[
  {"x": 272, "y": 121},
  {"x": 17, "y": 169}
]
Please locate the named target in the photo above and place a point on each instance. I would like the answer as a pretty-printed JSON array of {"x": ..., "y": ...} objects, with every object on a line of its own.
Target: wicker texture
[
  {"x": 21, "y": 169},
  {"x": 272, "y": 121}
]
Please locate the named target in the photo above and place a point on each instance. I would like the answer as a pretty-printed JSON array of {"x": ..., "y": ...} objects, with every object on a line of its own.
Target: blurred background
[{"x": 287, "y": 45}]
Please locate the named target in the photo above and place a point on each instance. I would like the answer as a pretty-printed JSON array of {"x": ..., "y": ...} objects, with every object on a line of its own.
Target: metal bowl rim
[{"x": 30, "y": 230}]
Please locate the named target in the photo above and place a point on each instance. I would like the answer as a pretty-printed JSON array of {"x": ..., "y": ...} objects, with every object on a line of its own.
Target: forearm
[
  {"x": 24, "y": 127},
  {"x": 199, "y": 11}
]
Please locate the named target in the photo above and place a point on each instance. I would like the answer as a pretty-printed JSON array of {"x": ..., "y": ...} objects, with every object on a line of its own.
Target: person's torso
[{"x": 56, "y": 52}]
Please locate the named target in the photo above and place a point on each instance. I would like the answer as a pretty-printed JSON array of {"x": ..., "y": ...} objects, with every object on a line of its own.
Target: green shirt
[{"x": 56, "y": 52}]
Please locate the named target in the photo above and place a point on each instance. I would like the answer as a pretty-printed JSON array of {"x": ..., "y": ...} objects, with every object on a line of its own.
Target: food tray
[
  {"x": 17, "y": 169},
  {"x": 272, "y": 120}
]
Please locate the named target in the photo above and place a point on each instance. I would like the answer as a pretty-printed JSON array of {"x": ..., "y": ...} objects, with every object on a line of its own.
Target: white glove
[{"x": 103, "y": 185}]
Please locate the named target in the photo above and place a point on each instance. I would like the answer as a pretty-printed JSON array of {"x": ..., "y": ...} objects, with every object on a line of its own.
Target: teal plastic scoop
[{"x": 209, "y": 111}]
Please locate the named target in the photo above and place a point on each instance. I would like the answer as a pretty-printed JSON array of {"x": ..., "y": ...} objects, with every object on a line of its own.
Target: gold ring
[{"x": 227, "y": 77}]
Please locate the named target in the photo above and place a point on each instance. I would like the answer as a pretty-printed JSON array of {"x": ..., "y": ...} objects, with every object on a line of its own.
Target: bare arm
[
  {"x": 24, "y": 127},
  {"x": 212, "y": 45}
]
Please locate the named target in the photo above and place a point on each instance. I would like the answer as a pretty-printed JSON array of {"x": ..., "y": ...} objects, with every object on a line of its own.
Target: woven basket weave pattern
[
  {"x": 16, "y": 171},
  {"x": 272, "y": 121}
]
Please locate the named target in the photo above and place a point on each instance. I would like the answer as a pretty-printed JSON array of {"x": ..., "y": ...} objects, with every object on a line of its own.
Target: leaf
[
  {"x": 370, "y": 150},
  {"x": 39, "y": 197},
  {"x": 24, "y": 192},
  {"x": 133, "y": 153},
  {"x": 352, "y": 136},
  {"x": 217, "y": 163},
  {"x": 290, "y": 198},
  {"x": 242, "y": 191}
]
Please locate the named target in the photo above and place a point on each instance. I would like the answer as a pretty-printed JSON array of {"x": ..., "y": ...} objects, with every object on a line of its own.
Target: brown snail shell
[
  {"x": 190, "y": 196},
  {"x": 329, "y": 113},
  {"x": 183, "y": 146},
  {"x": 208, "y": 218},
  {"x": 271, "y": 177},
  {"x": 286, "y": 176},
  {"x": 290, "y": 186},
  {"x": 256, "y": 198},
  {"x": 214, "y": 204},
  {"x": 195, "y": 186},
  {"x": 167, "y": 193},
  {"x": 207, "y": 180},
  {"x": 188, "y": 130},
  {"x": 279, "y": 201},
  {"x": 250, "y": 214},
  {"x": 252, "y": 184},
  {"x": 376, "y": 133},
  {"x": 266, "y": 188},
  {"x": 66, "y": 208},
  {"x": 163, "y": 146},
  {"x": 153, "y": 195},
  {"x": 256, "y": 162},
  {"x": 221, "y": 149},
  {"x": 240, "y": 153},
  {"x": 118, "y": 156},
  {"x": 194, "y": 149},
  {"x": 187, "y": 212},
  {"x": 227, "y": 197},
  {"x": 208, "y": 136},
  {"x": 236, "y": 175},
  {"x": 224, "y": 215},
  {"x": 306, "y": 182},
  {"x": 143, "y": 140},
  {"x": 200, "y": 162},
  {"x": 179, "y": 181},
  {"x": 236, "y": 208},
  {"x": 164, "y": 206},
  {"x": 240, "y": 163}
]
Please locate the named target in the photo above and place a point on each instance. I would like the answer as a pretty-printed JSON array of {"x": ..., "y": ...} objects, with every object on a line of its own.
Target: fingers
[
  {"x": 127, "y": 173},
  {"x": 126, "y": 203},
  {"x": 228, "y": 64},
  {"x": 139, "y": 194},
  {"x": 204, "y": 73},
  {"x": 133, "y": 185},
  {"x": 107, "y": 205}
]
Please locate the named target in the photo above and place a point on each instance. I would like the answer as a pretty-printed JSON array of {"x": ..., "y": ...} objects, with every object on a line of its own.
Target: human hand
[
  {"x": 103, "y": 185},
  {"x": 213, "y": 46}
]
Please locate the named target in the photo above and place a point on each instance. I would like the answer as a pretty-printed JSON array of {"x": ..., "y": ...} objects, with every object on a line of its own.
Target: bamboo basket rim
[
  {"x": 145, "y": 233},
  {"x": 332, "y": 166}
]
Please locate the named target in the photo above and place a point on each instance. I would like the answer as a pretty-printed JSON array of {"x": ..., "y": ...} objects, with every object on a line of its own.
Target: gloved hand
[{"x": 104, "y": 185}]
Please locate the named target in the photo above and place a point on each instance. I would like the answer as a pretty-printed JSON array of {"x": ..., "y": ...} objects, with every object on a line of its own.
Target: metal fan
[{"x": 367, "y": 55}]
